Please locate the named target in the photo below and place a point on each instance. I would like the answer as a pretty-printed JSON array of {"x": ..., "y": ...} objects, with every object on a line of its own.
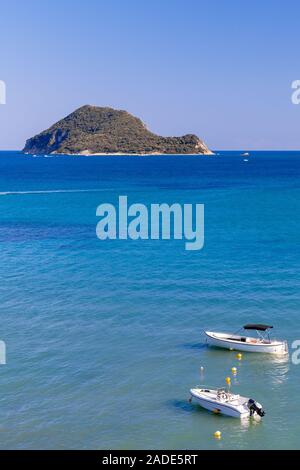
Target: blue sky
[{"x": 222, "y": 70}]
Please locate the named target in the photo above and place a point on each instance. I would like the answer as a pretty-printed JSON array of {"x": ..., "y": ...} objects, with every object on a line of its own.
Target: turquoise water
[{"x": 104, "y": 339}]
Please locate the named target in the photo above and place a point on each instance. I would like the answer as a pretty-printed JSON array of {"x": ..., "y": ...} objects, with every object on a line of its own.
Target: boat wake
[{"x": 50, "y": 191}]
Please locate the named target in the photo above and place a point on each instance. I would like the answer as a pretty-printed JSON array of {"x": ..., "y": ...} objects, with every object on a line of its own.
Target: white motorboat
[
  {"x": 262, "y": 343},
  {"x": 222, "y": 401}
]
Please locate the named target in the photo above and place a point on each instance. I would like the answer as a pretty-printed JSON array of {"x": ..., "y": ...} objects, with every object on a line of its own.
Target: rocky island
[{"x": 92, "y": 130}]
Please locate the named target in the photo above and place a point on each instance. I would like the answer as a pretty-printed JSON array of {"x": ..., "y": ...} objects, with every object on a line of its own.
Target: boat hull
[{"x": 277, "y": 347}]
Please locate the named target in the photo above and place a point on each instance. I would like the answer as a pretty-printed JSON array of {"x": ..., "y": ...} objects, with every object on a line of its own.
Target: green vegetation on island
[{"x": 95, "y": 130}]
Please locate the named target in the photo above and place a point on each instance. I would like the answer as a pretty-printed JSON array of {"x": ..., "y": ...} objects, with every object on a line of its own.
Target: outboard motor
[{"x": 255, "y": 407}]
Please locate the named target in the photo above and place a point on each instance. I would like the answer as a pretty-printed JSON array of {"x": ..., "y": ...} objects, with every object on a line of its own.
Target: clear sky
[{"x": 220, "y": 69}]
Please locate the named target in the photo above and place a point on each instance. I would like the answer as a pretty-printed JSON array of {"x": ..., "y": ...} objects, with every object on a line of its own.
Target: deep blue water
[{"x": 104, "y": 338}]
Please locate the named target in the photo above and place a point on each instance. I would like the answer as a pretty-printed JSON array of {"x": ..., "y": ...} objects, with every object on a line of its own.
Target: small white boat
[
  {"x": 262, "y": 343},
  {"x": 246, "y": 154},
  {"x": 221, "y": 401}
]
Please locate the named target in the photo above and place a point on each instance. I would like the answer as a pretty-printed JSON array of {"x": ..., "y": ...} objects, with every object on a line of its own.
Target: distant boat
[
  {"x": 223, "y": 402},
  {"x": 262, "y": 343},
  {"x": 246, "y": 154}
]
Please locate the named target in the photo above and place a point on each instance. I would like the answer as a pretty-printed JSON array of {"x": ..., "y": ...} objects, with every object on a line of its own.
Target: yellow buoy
[
  {"x": 234, "y": 370},
  {"x": 218, "y": 434},
  {"x": 228, "y": 380},
  {"x": 239, "y": 356}
]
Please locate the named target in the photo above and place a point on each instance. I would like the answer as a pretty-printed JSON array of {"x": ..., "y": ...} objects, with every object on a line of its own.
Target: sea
[{"x": 104, "y": 338}]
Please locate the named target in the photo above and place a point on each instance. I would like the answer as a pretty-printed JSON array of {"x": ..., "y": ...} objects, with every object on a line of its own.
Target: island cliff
[{"x": 92, "y": 130}]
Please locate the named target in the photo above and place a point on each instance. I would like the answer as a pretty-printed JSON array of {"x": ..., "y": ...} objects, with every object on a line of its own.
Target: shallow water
[{"x": 104, "y": 339}]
